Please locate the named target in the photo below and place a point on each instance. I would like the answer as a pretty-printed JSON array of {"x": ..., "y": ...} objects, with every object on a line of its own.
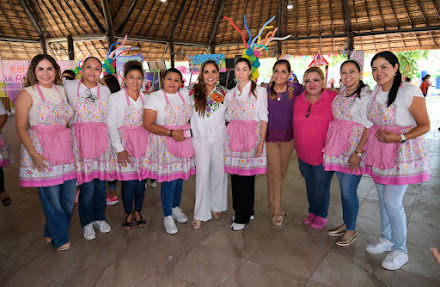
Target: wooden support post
[
  {"x": 172, "y": 53},
  {"x": 70, "y": 48},
  {"x": 212, "y": 48},
  {"x": 108, "y": 20},
  {"x": 43, "y": 45}
]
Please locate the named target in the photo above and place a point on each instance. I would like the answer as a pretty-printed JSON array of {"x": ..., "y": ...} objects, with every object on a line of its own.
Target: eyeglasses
[
  {"x": 90, "y": 97},
  {"x": 308, "y": 111}
]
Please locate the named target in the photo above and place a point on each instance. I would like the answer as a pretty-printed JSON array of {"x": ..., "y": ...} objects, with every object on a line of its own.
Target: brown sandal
[{"x": 277, "y": 220}]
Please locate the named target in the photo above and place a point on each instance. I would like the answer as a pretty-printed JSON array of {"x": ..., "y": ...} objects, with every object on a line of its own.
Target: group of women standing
[
  {"x": 129, "y": 136},
  {"x": 358, "y": 132}
]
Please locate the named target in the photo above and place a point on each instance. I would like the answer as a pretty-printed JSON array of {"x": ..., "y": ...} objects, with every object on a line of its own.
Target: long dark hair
[
  {"x": 31, "y": 79},
  {"x": 392, "y": 59},
  {"x": 112, "y": 83},
  {"x": 200, "y": 89},
  {"x": 253, "y": 84},
  {"x": 289, "y": 69},
  {"x": 361, "y": 83}
]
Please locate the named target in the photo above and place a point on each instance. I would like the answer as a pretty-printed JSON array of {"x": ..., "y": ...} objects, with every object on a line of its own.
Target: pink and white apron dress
[
  {"x": 52, "y": 139},
  {"x": 393, "y": 163},
  {"x": 242, "y": 137},
  {"x": 6, "y": 156},
  {"x": 166, "y": 159},
  {"x": 134, "y": 139},
  {"x": 343, "y": 136},
  {"x": 91, "y": 143}
]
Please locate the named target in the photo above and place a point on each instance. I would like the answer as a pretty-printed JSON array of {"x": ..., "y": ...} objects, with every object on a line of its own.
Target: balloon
[
  {"x": 246, "y": 57},
  {"x": 252, "y": 58},
  {"x": 256, "y": 63},
  {"x": 255, "y": 75},
  {"x": 244, "y": 52},
  {"x": 249, "y": 52},
  {"x": 257, "y": 54},
  {"x": 254, "y": 69}
]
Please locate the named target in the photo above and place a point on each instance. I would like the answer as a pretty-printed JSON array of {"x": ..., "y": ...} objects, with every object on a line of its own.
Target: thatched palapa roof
[{"x": 198, "y": 26}]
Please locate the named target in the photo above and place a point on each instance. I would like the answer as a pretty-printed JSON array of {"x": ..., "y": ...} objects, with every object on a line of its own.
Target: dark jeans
[
  {"x": 57, "y": 204},
  {"x": 243, "y": 188},
  {"x": 133, "y": 189},
  {"x": 171, "y": 193},
  {"x": 318, "y": 187},
  {"x": 112, "y": 184},
  {"x": 91, "y": 203}
]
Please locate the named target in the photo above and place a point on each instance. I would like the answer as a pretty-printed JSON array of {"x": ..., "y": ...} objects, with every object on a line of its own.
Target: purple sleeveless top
[{"x": 279, "y": 126}]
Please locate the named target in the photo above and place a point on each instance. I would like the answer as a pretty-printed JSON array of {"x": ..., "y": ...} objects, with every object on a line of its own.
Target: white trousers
[{"x": 211, "y": 179}]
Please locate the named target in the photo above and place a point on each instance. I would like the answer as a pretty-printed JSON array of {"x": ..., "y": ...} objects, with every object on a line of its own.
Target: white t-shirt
[
  {"x": 359, "y": 109},
  {"x": 115, "y": 116},
  {"x": 403, "y": 101},
  {"x": 71, "y": 87},
  {"x": 262, "y": 110},
  {"x": 156, "y": 102}
]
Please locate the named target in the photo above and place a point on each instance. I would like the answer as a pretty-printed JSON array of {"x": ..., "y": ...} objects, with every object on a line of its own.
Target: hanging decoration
[
  {"x": 254, "y": 46},
  {"x": 320, "y": 61}
]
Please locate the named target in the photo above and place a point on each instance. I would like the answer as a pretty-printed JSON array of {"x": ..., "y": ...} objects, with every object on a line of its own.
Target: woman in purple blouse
[{"x": 281, "y": 94}]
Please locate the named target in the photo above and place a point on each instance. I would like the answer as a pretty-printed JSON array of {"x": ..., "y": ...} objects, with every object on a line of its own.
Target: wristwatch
[
  {"x": 358, "y": 153},
  {"x": 403, "y": 139}
]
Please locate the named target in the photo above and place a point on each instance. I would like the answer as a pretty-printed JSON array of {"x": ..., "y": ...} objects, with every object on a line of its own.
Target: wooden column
[
  {"x": 172, "y": 53},
  {"x": 212, "y": 48},
  {"x": 70, "y": 48},
  {"x": 108, "y": 20},
  {"x": 43, "y": 45}
]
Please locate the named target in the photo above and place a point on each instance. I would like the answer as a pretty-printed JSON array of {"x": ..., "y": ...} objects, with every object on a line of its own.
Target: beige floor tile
[
  {"x": 339, "y": 270},
  {"x": 161, "y": 279},
  {"x": 204, "y": 266},
  {"x": 312, "y": 283},
  {"x": 22, "y": 275},
  {"x": 421, "y": 263},
  {"x": 291, "y": 256},
  {"x": 257, "y": 275},
  {"x": 407, "y": 279},
  {"x": 427, "y": 202},
  {"x": 425, "y": 217},
  {"x": 424, "y": 235}
]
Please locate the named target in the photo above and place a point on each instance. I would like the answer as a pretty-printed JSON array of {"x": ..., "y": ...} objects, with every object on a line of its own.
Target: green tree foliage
[{"x": 408, "y": 62}]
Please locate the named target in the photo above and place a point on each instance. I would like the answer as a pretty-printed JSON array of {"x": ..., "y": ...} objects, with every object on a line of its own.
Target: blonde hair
[
  {"x": 316, "y": 70},
  {"x": 31, "y": 79}
]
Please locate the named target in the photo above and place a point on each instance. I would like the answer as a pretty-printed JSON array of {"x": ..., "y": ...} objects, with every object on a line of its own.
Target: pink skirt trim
[
  {"x": 168, "y": 177},
  {"x": 246, "y": 172},
  {"x": 344, "y": 169},
  {"x": 47, "y": 182},
  {"x": 83, "y": 177},
  {"x": 398, "y": 180},
  {"x": 4, "y": 163}
]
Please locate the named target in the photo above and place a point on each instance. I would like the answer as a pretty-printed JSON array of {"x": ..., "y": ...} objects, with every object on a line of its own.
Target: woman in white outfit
[{"x": 208, "y": 128}]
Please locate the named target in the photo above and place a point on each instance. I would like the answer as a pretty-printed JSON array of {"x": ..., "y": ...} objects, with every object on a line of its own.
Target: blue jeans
[
  {"x": 350, "y": 201},
  {"x": 91, "y": 203},
  {"x": 318, "y": 187},
  {"x": 133, "y": 189},
  {"x": 112, "y": 184},
  {"x": 170, "y": 192},
  {"x": 392, "y": 214},
  {"x": 57, "y": 204}
]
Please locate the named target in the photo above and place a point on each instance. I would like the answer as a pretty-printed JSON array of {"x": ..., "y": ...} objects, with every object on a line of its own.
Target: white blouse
[
  {"x": 71, "y": 87},
  {"x": 403, "y": 101},
  {"x": 117, "y": 104},
  {"x": 358, "y": 111},
  {"x": 156, "y": 102}
]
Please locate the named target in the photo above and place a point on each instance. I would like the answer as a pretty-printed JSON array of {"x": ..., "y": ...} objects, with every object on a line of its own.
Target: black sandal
[
  {"x": 126, "y": 225},
  {"x": 141, "y": 222},
  {"x": 7, "y": 200}
]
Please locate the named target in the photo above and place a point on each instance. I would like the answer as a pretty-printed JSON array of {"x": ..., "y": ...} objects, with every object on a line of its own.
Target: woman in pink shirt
[{"x": 312, "y": 113}]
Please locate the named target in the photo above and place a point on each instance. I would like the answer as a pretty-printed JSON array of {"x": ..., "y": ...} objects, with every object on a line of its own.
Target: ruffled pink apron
[
  {"x": 55, "y": 140},
  {"x": 176, "y": 118},
  {"x": 132, "y": 130},
  {"x": 91, "y": 133}
]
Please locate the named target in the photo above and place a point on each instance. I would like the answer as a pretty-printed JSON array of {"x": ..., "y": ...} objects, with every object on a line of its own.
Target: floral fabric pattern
[{"x": 214, "y": 100}]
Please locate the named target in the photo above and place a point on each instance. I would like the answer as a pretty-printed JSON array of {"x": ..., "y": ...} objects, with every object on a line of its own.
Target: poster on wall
[
  {"x": 120, "y": 62},
  {"x": 151, "y": 81},
  {"x": 66, "y": 65},
  {"x": 196, "y": 61},
  {"x": 13, "y": 73},
  {"x": 359, "y": 56}
]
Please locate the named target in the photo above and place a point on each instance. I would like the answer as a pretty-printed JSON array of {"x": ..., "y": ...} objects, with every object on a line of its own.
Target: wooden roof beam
[
  {"x": 347, "y": 17},
  {"x": 31, "y": 17},
  {"x": 92, "y": 15},
  {"x": 127, "y": 16},
  {"x": 108, "y": 21},
  {"x": 217, "y": 22},
  {"x": 18, "y": 40},
  {"x": 179, "y": 16},
  {"x": 279, "y": 49}
]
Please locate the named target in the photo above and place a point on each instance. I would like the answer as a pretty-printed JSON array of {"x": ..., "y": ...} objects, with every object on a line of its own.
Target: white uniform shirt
[
  {"x": 156, "y": 102},
  {"x": 262, "y": 110},
  {"x": 403, "y": 101},
  {"x": 71, "y": 87},
  {"x": 115, "y": 116}
]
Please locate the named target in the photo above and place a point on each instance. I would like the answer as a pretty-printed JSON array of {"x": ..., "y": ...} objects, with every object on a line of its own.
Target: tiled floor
[{"x": 261, "y": 255}]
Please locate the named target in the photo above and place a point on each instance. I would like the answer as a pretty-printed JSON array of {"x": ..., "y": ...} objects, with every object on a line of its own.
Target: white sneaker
[
  {"x": 102, "y": 225},
  {"x": 170, "y": 226},
  {"x": 179, "y": 215},
  {"x": 394, "y": 260},
  {"x": 381, "y": 245},
  {"x": 89, "y": 232},
  {"x": 153, "y": 184},
  {"x": 237, "y": 226}
]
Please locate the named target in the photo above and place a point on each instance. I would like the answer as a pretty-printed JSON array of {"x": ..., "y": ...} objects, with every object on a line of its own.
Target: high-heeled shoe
[
  {"x": 196, "y": 224},
  {"x": 127, "y": 225},
  {"x": 141, "y": 222},
  {"x": 64, "y": 247}
]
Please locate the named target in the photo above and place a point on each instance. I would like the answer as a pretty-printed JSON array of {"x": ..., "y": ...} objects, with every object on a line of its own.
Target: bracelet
[{"x": 171, "y": 133}]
